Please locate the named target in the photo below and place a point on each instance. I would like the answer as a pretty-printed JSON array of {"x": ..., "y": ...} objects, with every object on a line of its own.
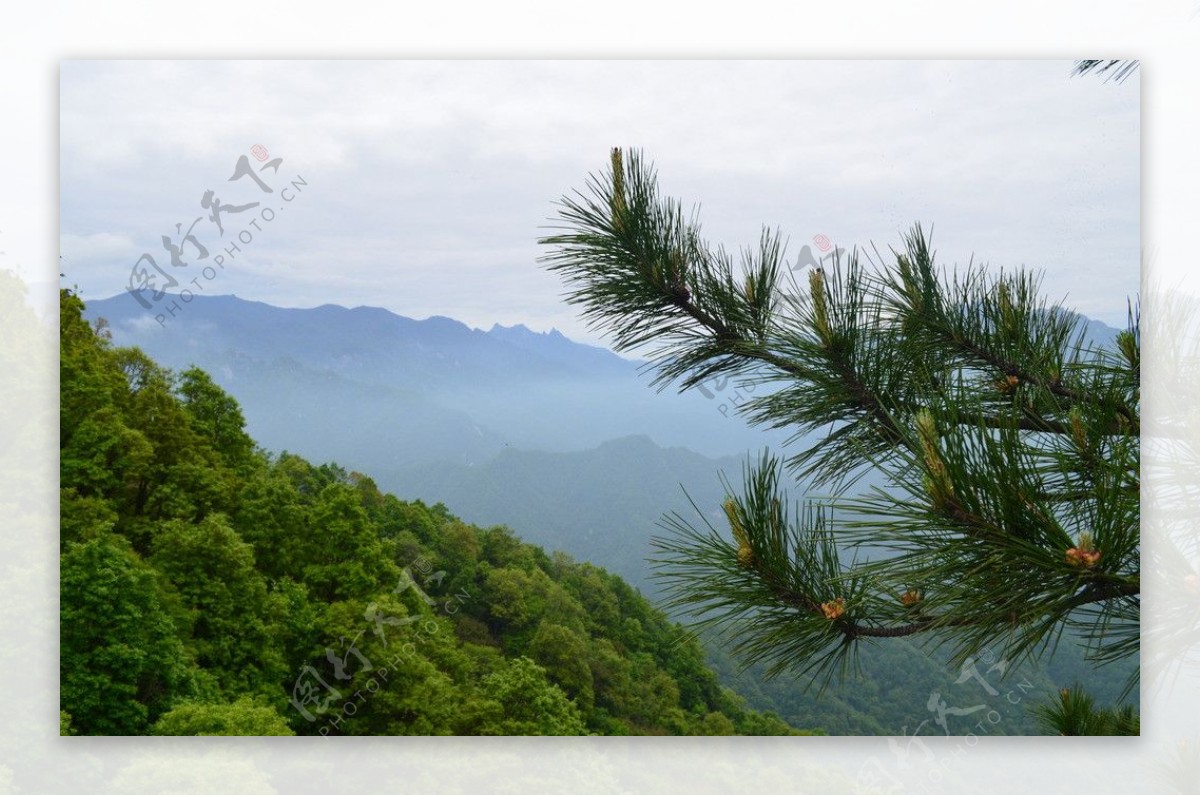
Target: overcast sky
[{"x": 428, "y": 183}]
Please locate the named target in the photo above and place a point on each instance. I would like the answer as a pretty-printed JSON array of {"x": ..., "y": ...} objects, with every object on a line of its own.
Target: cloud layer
[{"x": 428, "y": 183}]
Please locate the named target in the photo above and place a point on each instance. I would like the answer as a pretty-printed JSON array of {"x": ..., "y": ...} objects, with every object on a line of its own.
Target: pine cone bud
[
  {"x": 937, "y": 482},
  {"x": 618, "y": 193},
  {"x": 1008, "y": 384},
  {"x": 816, "y": 284},
  {"x": 1085, "y": 555},
  {"x": 834, "y": 608},
  {"x": 745, "y": 553}
]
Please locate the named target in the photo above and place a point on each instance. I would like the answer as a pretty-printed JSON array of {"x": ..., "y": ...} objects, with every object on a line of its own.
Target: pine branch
[
  {"x": 1114, "y": 69},
  {"x": 1011, "y": 447}
]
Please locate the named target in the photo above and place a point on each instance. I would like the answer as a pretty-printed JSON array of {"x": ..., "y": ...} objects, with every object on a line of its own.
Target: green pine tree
[{"x": 1009, "y": 444}]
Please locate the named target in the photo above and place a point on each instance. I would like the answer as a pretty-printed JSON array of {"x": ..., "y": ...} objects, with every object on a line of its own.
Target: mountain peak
[
  {"x": 520, "y": 329},
  {"x": 631, "y": 442}
]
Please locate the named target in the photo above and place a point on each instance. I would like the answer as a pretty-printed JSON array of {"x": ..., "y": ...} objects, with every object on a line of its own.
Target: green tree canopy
[
  {"x": 243, "y": 717},
  {"x": 532, "y": 705},
  {"x": 223, "y": 598},
  {"x": 121, "y": 661},
  {"x": 215, "y": 416}
]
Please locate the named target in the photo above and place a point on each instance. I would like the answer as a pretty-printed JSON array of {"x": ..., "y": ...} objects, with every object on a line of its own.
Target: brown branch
[
  {"x": 862, "y": 395},
  {"x": 866, "y": 399},
  {"x": 1054, "y": 386},
  {"x": 1095, "y": 591}
]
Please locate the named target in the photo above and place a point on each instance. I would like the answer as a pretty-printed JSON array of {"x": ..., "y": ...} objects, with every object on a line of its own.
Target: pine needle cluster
[{"x": 1007, "y": 441}]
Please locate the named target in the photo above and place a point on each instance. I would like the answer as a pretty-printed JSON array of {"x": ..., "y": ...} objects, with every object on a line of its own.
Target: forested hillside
[{"x": 208, "y": 587}]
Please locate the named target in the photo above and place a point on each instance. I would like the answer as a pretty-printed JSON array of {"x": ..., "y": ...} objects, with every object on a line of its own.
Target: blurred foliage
[{"x": 1075, "y": 713}]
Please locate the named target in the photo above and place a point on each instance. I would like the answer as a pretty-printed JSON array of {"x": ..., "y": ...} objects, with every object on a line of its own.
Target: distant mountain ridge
[
  {"x": 358, "y": 341},
  {"x": 391, "y": 395},
  {"x": 383, "y": 393}
]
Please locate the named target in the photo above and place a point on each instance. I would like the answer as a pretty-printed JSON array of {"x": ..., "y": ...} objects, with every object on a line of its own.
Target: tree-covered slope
[{"x": 210, "y": 588}]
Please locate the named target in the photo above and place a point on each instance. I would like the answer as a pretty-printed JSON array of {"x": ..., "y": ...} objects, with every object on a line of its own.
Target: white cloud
[
  {"x": 430, "y": 182},
  {"x": 96, "y": 246}
]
